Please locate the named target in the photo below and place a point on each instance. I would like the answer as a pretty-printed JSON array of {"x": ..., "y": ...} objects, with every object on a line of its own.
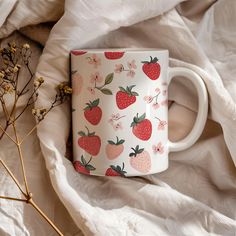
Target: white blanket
[{"x": 197, "y": 194}]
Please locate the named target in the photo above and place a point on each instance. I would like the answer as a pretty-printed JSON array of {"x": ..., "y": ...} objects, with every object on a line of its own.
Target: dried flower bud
[
  {"x": 12, "y": 44},
  {"x": 15, "y": 69},
  {"x": 67, "y": 90},
  {"x": 34, "y": 111},
  {"x": 39, "y": 113},
  {"x": 7, "y": 88},
  {"x": 6, "y": 62},
  {"x": 38, "y": 81},
  {"x": 2, "y": 75},
  {"x": 12, "y": 49},
  {"x": 26, "y": 46},
  {"x": 7, "y": 71}
]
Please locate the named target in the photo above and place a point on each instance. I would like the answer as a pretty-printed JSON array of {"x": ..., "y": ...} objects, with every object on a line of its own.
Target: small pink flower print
[
  {"x": 157, "y": 90},
  {"x": 94, "y": 60},
  {"x": 118, "y": 126},
  {"x": 110, "y": 121},
  {"x": 164, "y": 103},
  {"x": 155, "y": 105},
  {"x": 91, "y": 90},
  {"x": 164, "y": 92},
  {"x": 119, "y": 68},
  {"x": 132, "y": 65},
  {"x": 131, "y": 73},
  {"x": 96, "y": 78},
  {"x": 115, "y": 116},
  {"x": 159, "y": 148},
  {"x": 148, "y": 99},
  {"x": 114, "y": 119},
  {"x": 161, "y": 125}
]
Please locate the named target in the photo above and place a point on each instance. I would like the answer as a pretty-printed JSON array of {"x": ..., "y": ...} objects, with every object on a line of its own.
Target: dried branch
[{"x": 9, "y": 83}]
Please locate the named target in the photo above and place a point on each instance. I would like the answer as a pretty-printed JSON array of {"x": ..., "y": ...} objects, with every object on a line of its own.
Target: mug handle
[{"x": 198, "y": 127}]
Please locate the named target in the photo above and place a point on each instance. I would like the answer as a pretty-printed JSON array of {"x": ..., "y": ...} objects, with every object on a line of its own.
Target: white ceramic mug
[{"x": 120, "y": 111}]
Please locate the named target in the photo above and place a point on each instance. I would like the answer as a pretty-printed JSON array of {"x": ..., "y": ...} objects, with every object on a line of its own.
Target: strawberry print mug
[{"x": 120, "y": 111}]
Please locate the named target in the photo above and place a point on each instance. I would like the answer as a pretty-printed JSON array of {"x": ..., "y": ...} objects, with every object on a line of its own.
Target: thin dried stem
[
  {"x": 13, "y": 198},
  {"x": 13, "y": 177},
  {"x": 21, "y": 158},
  {"x": 30, "y": 201},
  {"x": 29, "y": 133},
  {"x": 5, "y": 132}
]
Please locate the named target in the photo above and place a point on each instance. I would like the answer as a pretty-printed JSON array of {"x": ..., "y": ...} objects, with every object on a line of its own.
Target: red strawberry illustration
[
  {"x": 83, "y": 166},
  {"x": 142, "y": 128},
  {"x": 140, "y": 160},
  {"x": 116, "y": 171},
  {"x": 90, "y": 142},
  {"x": 114, "y": 149},
  {"x": 113, "y": 55},
  {"x": 152, "y": 68},
  {"x": 93, "y": 112},
  {"x": 78, "y": 52},
  {"x": 125, "y": 97}
]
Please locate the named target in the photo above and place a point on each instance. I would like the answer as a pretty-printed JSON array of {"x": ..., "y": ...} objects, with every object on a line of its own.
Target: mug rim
[{"x": 137, "y": 50}]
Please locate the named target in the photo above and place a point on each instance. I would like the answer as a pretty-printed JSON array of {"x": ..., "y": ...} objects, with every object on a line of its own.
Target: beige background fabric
[{"x": 196, "y": 195}]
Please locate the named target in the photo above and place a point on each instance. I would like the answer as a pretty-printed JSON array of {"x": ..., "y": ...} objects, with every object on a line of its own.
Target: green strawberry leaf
[
  {"x": 95, "y": 103},
  {"x": 87, "y": 107},
  {"x": 73, "y": 110},
  {"x": 113, "y": 167},
  {"x": 109, "y": 78},
  {"x": 73, "y": 72},
  {"x": 133, "y": 124},
  {"x": 155, "y": 60},
  {"x": 118, "y": 169},
  {"x": 106, "y": 91},
  {"x": 90, "y": 167},
  {"x": 122, "y": 89},
  {"x": 91, "y": 134},
  {"x": 120, "y": 142},
  {"x": 142, "y": 117},
  {"x": 136, "y": 120},
  {"x": 134, "y": 94},
  {"x": 132, "y": 154},
  {"x": 83, "y": 160},
  {"x": 81, "y": 133},
  {"x": 111, "y": 142},
  {"x": 131, "y": 87},
  {"x": 145, "y": 62},
  {"x": 128, "y": 90},
  {"x": 140, "y": 150}
]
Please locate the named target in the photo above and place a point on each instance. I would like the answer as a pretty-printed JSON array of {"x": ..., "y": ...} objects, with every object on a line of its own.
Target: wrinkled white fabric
[{"x": 196, "y": 195}]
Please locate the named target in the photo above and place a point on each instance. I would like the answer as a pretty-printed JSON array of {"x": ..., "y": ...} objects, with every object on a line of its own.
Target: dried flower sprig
[{"x": 12, "y": 59}]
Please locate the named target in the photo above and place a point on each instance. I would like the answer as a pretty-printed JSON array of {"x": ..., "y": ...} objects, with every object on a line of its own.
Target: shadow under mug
[{"x": 120, "y": 111}]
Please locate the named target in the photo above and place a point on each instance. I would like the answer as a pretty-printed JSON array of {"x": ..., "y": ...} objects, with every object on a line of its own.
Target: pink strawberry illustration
[
  {"x": 140, "y": 160},
  {"x": 114, "y": 149},
  {"x": 125, "y": 97},
  {"x": 141, "y": 127},
  {"x": 78, "y": 52},
  {"x": 151, "y": 68},
  {"x": 83, "y": 166},
  {"x": 93, "y": 112},
  {"x": 90, "y": 142},
  {"x": 116, "y": 170},
  {"x": 113, "y": 55}
]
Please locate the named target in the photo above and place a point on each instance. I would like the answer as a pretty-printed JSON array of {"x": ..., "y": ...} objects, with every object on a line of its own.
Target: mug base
[{"x": 164, "y": 167}]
